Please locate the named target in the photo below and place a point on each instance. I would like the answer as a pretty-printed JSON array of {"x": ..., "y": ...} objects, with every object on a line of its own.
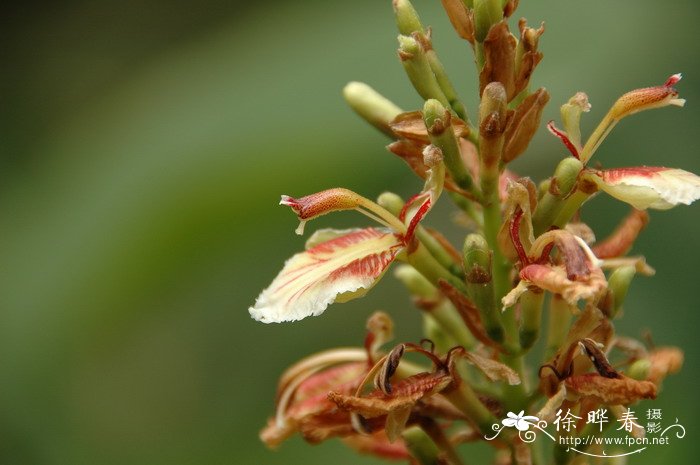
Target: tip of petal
[
  {"x": 679, "y": 102},
  {"x": 672, "y": 80}
]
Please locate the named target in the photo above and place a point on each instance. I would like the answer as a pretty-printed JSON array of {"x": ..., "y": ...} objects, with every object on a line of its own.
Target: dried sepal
[
  {"x": 528, "y": 57},
  {"x": 664, "y": 361},
  {"x": 492, "y": 369},
  {"x": 468, "y": 311},
  {"x": 622, "y": 239},
  {"x": 404, "y": 395},
  {"x": 380, "y": 330},
  {"x": 622, "y": 390},
  {"x": 460, "y": 18},
  {"x": 523, "y": 124},
  {"x": 499, "y": 63},
  {"x": 561, "y": 365},
  {"x": 410, "y": 125},
  {"x": 549, "y": 409},
  {"x": 510, "y": 7}
]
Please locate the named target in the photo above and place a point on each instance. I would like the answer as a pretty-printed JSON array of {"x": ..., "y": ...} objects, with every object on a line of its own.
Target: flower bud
[
  {"x": 392, "y": 202},
  {"x": 478, "y": 268},
  {"x": 373, "y": 107},
  {"x": 406, "y": 17},
  {"x": 649, "y": 187},
  {"x": 618, "y": 286},
  {"x": 486, "y": 14},
  {"x": 438, "y": 120},
  {"x": 552, "y": 202},
  {"x": 418, "y": 69},
  {"x": 523, "y": 124},
  {"x": 571, "y": 117},
  {"x": 461, "y": 18}
]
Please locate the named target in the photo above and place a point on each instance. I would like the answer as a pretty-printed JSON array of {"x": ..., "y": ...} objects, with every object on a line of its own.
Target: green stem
[
  {"x": 531, "y": 315},
  {"x": 427, "y": 265},
  {"x": 558, "y": 325},
  {"x": 437, "y": 434},
  {"x": 452, "y": 324},
  {"x": 421, "y": 447},
  {"x": 438, "y": 251},
  {"x": 465, "y": 399}
]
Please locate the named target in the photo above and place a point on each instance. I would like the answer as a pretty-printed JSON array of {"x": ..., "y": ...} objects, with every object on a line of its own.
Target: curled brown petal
[
  {"x": 622, "y": 239},
  {"x": 499, "y": 65},
  {"x": 622, "y": 390},
  {"x": 405, "y": 393},
  {"x": 664, "y": 361},
  {"x": 522, "y": 126}
]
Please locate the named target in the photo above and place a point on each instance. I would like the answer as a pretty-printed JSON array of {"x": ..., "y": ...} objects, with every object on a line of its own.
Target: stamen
[
  {"x": 564, "y": 138},
  {"x": 515, "y": 237},
  {"x": 416, "y": 219}
]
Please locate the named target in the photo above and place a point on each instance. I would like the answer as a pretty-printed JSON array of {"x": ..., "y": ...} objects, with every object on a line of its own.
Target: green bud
[
  {"x": 618, "y": 284},
  {"x": 416, "y": 284},
  {"x": 406, "y": 17},
  {"x": 373, "y": 107},
  {"x": 421, "y": 447},
  {"x": 493, "y": 100},
  {"x": 392, "y": 202},
  {"x": 418, "y": 69},
  {"x": 435, "y": 333},
  {"x": 531, "y": 317},
  {"x": 438, "y": 121},
  {"x": 552, "y": 202},
  {"x": 639, "y": 370},
  {"x": 493, "y": 112},
  {"x": 486, "y": 14},
  {"x": 478, "y": 270}
]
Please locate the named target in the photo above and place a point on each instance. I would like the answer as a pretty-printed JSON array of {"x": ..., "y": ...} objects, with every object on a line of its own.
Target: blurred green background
[{"x": 143, "y": 149}]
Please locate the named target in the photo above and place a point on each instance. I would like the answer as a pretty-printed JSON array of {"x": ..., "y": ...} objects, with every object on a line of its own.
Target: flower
[
  {"x": 578, "y": 278},
  {"x": 343, "y": 265},
  {"x": 519, "y": 421},
  {"x": 648, "y": 186},
  {"x": 630, "y": 103},
  {"x": 303, "y": 404}
]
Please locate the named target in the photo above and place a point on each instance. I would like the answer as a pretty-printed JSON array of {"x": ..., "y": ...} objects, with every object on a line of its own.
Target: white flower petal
[
  {"x": 341, "y": 269},
  {"x": 509, "y": 422},
  {"x": 650, "y": 187}
]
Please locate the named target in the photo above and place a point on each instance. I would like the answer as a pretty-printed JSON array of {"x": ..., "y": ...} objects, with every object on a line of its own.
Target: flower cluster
[{"x": 527, "y": 250}]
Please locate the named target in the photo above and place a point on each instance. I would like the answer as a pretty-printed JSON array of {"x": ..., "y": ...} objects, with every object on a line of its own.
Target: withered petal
[
  {"x": 622, "y": 390},
  {"x": 499, "y": 63}
]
